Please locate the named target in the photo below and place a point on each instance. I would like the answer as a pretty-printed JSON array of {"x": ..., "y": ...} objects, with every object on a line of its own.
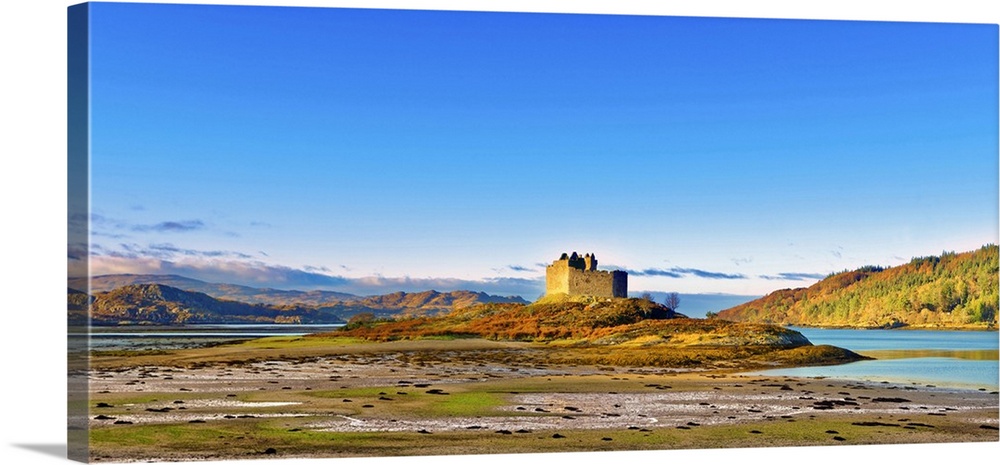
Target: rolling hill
[
  {"x": 950, "y": 291},
  {"x": 165, "y": 305},
  {"x": 115, "y": 302},
  {"x": 235, "y": 292}
]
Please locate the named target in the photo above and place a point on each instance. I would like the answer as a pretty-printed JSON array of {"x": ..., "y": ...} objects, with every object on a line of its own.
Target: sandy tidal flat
[{"x": 331, "y": 406}]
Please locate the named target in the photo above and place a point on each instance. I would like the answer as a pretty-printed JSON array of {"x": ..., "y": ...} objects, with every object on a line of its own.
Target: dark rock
[{"x": 873, "y": 423}]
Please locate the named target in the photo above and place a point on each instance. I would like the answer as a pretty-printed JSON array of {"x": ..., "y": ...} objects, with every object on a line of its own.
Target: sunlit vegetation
[
  {"x": 622, "y": 323},
  {"x": 953, "y": 290}
]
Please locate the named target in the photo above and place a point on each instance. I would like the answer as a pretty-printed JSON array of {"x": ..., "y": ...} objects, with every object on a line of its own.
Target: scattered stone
[
  {"x": 873, "y": 423},
  {"x": 557, "y": 436},
  {"x": 890, "y": 399}
]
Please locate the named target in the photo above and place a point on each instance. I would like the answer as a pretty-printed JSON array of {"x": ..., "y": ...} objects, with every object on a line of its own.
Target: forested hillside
[{"x": 953, "y": 290}]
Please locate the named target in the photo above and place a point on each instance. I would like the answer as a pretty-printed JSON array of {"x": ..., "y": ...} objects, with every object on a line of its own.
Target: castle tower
[{"x": 575, "y": 275}]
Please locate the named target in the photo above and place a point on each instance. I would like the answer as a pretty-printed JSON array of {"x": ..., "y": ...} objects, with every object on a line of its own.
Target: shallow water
[
  {"x": 142, "y": 337},
  {"x": 962, "y": 359}
]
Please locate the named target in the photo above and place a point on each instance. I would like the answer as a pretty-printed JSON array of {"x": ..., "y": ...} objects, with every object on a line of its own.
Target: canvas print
[{"x": 332, "y": 232}]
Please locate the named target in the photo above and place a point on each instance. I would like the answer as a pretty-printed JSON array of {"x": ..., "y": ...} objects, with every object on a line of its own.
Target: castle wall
[
  {"x": 557, "y": 278},
  {"x": 619, "y": 284}
]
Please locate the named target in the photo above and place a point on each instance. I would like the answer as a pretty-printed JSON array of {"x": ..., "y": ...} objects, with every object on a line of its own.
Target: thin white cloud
[{"x": 260, "y": 274}]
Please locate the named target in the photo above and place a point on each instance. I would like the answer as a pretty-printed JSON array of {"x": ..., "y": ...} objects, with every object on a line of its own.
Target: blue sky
[{"x": 371, "y": 151}]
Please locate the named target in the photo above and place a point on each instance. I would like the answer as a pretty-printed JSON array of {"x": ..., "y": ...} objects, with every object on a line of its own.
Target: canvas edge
[{"x": 78, "y": 228}]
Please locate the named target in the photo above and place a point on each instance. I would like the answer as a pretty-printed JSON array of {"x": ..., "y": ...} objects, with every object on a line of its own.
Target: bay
[
  {"x": 150, "y": 337},
  {"x": 959, "y": 359}
]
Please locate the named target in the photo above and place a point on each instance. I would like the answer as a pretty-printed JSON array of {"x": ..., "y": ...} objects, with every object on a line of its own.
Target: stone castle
[{"x": 576, "y": 275}]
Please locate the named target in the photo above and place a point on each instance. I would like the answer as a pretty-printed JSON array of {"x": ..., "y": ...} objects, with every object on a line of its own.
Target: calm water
[
  {"x": 179, "y": 337},
  {"x": 966, "y": 359}
]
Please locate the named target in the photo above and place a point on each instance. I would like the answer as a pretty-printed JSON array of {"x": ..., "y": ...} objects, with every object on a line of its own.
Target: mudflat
[{"x": 267, "y": 398}]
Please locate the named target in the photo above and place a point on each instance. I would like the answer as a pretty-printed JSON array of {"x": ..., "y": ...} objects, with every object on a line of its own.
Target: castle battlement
[{"x": 578, "y": 275}]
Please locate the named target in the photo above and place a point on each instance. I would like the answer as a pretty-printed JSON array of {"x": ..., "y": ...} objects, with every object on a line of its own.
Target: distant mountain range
[
  {"x": 235, "y": 292},
  {"x": 172, "y": 299},
  {"x": 949, "y": 291},
  {"x": 165, "y": 305}
]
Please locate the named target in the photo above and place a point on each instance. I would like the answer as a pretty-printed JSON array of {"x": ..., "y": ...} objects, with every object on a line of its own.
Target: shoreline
[{"x": 444, "y": 402}]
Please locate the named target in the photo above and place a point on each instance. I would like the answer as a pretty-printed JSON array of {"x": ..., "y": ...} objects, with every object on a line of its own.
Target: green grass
[
  {"x": 459, "y": 402},
  {"x": 465, "y": 404}
]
